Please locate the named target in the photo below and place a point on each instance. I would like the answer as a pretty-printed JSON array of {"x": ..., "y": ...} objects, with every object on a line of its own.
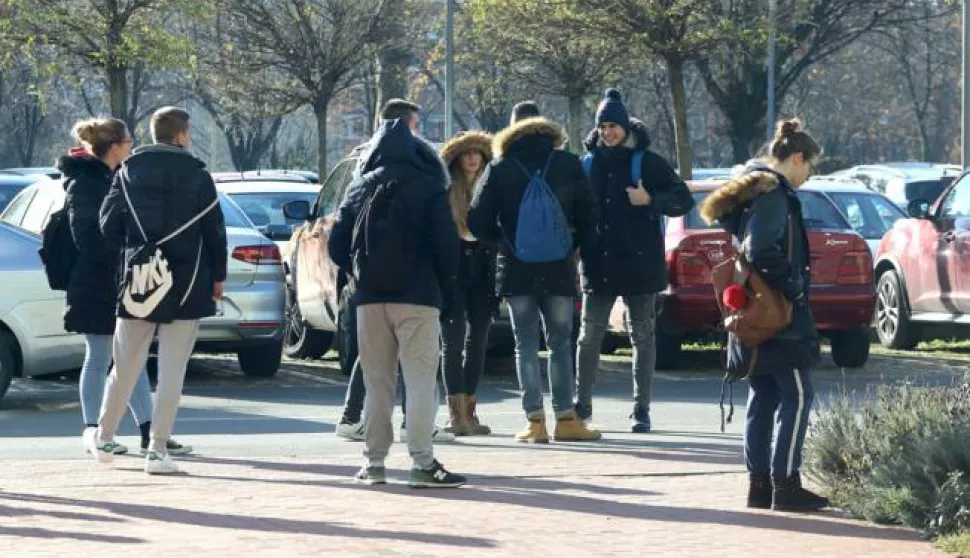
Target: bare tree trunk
[
  {"x": 576, "y": 110},
  {"x": 118, "y": 95},
  {"x": 320, "y": 109},
  {"x": 675, "y": 69}
]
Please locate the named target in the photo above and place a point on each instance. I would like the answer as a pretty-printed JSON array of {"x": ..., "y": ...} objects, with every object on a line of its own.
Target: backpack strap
[
  {"x": 636, "y": 166},
  {"x": 587, "y": 161},
  {"x": 544, "y": 170},
  {"x": 131, "y": 208}
]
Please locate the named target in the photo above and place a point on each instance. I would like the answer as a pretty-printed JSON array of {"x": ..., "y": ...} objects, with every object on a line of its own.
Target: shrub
[{"x": 901, "y": 455}]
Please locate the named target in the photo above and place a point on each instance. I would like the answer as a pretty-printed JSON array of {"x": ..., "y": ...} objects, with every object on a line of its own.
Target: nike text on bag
[
  {"x": 542, "y": 233},
  {"x": 146, "y": 292},
  {"x": 57, "y": 251},
  {"x": 382, "y": 249}
]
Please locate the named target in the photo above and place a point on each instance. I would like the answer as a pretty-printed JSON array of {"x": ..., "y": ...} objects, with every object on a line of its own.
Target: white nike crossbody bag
[{"x": 148, "y": 279}]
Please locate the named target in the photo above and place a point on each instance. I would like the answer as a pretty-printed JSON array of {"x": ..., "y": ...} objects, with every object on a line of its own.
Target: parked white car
[{"x": 870, "y": 213}]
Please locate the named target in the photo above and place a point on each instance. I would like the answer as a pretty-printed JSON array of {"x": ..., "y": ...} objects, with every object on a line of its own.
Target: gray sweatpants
[
  {"x": 409, "y": 334},
  {"x": 132, "y": 340}
]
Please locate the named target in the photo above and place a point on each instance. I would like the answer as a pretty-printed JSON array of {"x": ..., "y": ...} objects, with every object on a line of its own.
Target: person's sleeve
[
  {"x": 484, "y": 212},
  {"x": 341, "y": 234},
  {"x": 111, "y": 218},
  {"x": 214, "y": 230},
  {"x": 765, "y": 243},
  {"x": 670, "y": 193},
  {"x": 585, "y": 210},
  {"x": 83, "y": 218},
  {"x": 445, "y": 242}
]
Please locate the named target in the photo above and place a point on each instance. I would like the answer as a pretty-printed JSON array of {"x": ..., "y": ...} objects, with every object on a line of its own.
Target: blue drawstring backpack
[{"x": 542, "y": 233}]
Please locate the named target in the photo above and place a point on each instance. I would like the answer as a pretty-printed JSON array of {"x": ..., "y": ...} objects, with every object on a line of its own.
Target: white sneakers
[
  {"x": 160, "y": 464},
  {"x": 353, "y": 432},
  {"x": 439, "y": 435}
]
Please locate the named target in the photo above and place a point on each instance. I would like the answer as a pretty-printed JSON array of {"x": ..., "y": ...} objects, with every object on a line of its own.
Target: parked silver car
[{"x": 250, "y": 317}]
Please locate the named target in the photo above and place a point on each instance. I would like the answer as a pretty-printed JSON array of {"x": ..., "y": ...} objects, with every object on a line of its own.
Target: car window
[
  {"x": 8, "y": 192},
  {"x": 819, "y": 213},
  {"x": 40, "y": 207},
  {"x": 333, "y": 189},
  {"x": 14, "y": 212},
  {"x": 693, "y": 218},
  {"x": 957, "y": 201},
  {"x": 232, "y": 214},
  {"x": 265, "y": 210},
  {"x": 929, "y": 190},
  {"x": 869, "y": 214}
]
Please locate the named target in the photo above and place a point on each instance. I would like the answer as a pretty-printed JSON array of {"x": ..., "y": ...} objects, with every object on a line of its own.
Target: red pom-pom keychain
[{"x": 734, "y": 298}]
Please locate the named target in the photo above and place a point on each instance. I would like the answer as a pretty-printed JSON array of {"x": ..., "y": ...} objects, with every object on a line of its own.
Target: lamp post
[
  {"x": 450, "y": 68},
  {"x": 770, "y": 116},
  {"x": 965, "y": 131}
]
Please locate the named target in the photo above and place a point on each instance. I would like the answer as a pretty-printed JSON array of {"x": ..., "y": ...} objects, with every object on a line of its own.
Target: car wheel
[
  {"x": 669, "y": 350},
  {"x": 261, "y": 361},
  {"x": 300, "y": 340},
  {"x": 8, "y": 361},
  {"x": 850, "y": 349},
  {"x": 893, "y": 325}
]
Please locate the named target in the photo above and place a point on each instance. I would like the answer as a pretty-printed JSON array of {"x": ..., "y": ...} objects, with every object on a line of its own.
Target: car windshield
[
  {"x": 817, "y": 211},
  {"x": 870, "y": 215},
  {"x": 265, "y": 210},
  {"x": 928, "y": 190},
  {"x": 8, "y": 191}
]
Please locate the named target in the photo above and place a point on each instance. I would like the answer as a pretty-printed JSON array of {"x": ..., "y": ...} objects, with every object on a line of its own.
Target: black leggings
[{"x": 464, "y": 333}]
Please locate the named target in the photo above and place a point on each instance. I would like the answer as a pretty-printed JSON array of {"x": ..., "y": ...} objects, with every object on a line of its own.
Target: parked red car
[
  {"x": 923, "y": 270},
  {"x": 842, "y": 295}
]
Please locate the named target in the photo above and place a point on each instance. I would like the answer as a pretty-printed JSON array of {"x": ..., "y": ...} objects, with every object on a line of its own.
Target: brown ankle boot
[
  {"x": 535, "y": 432},
  {"x": 458, "y": 410},
  {"x": 475, "y": 428},
  {"x": 570, "y": 429}
]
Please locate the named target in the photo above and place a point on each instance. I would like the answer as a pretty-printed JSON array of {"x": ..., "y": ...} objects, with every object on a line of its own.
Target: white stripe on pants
[
  {"x": 132, "y": 341},
  {"x": 798, "y": 423}
]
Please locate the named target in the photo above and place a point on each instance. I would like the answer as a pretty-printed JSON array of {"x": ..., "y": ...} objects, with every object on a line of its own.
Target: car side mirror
[
  {"x": 297, "y": 210},
  {"x": 919, "y": 209}
]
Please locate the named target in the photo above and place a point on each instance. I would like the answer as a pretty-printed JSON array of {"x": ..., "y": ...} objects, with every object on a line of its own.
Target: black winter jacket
[
  {"x": 629, "y": 257},
  {"x": 756, "y": 209},
  {"x": 398, "y": 155},
  {"x": 495, "y": 210},
  {"x": 92, "y": 291},
  {"x": 168, "y": 187}
]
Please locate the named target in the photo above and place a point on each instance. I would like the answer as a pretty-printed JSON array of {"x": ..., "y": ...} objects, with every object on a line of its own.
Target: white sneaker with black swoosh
[{"x": 351, "y": 431}]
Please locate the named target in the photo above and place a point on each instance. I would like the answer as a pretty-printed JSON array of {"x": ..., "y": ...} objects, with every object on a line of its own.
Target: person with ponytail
[
  {"x": 473, "y": 303},
  {"x": 92, "y": 291},
  {"x": 762, "y": 212}
]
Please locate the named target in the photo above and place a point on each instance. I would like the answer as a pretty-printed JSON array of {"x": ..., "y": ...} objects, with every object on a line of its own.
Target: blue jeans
[
  {"x": 94, "y": 374},
  {"x": 556, "y": 313},
  {"x": 777, "y": 420}
]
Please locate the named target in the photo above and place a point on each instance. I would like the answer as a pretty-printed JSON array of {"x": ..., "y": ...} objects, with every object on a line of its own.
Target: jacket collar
[{"x": 508, "y": 139}]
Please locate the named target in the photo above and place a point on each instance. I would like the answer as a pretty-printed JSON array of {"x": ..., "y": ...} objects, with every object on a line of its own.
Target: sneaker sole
[
  {"x": 161, "y": 473},
  {"x": 425, "y": 484},
  {"x": 640, "y": 430},
  {"x": 371, "y": 482},
  {"x": 532, "y": 440}
]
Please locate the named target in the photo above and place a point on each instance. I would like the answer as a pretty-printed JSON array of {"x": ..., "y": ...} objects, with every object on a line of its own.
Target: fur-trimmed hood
[
  {"x": 637, "y": 139},
  {"x": 469, "y": 141},
  {"x": 736, "y": 194},
  {"x": 507, "y": 138}
]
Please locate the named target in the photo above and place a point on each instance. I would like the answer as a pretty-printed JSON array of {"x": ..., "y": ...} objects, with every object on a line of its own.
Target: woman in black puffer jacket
[{"x": 92, "y": 292}]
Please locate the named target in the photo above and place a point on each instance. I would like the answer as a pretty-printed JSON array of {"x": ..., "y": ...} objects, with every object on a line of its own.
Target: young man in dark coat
[
  {"x": 402, "y": 326},
  {"x": 537, "y": 291},
  {"x": 160, "y": 191},
  {"x": 629, "y": 260}
]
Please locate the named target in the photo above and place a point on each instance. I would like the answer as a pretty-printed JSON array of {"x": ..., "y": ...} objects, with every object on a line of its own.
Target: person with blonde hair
[
  {"x": 473, "y": 303},
  {"x": 92, "y": 290}
]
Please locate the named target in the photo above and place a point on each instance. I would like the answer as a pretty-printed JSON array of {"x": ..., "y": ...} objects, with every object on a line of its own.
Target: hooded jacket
[
  {"x": 629, "y": 254},
  {"x": 92, "y": 290},
  {"x": 168, "y": 187},
  {"x": 396, "y": 154},
  {"x": 495, "y": 210},
  {"x": 756, "y": 209}
]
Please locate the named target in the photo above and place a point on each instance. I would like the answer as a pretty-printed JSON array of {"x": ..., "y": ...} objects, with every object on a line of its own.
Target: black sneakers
[
  {"x": 584, "y": 412},
  {"x": 641, "y": 421},
  {"x": 759, "y": 491},
  {"x": 790, "y": 496},
  {"x": 435, "y": 476}
]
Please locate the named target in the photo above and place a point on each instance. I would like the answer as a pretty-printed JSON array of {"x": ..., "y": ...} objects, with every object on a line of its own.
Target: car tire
[
  {"x": 299, "y": 339},
  {"x": 669, "y": 350},
  {"x": 261, "y": 361},
  {"x": 893, "y": 325},
  {"x": 8, "y": 361},
  {"x": 850, "y": 349}
]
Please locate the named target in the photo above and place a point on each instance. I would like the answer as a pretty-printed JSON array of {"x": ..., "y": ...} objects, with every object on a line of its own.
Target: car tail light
[
  {"x": 856, "y": 266},
  {"x": 264, "y": 254},
  {"x": 689, "y": 267}
]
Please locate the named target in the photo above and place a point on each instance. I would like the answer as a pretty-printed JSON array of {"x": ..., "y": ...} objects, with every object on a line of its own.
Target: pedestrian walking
[
  {"x": 761, "y": 211},
  {"x": 395, "y": 236},
  {"x": 535, "y": 203},
  {"x": 92, "y": 289},
  {"x": 164, "y": 212},
  {"x": 351, "y": 425},
  {"x": 635, "y": 189},
  {"x": 474, "y": 302}
]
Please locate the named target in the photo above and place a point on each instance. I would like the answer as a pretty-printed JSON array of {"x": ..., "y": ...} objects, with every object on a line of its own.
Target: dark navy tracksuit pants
[{"x": 777, "y": 420}]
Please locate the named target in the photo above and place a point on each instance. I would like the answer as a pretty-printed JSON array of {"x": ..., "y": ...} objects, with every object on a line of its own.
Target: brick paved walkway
[{"x": 672, "y": 497}]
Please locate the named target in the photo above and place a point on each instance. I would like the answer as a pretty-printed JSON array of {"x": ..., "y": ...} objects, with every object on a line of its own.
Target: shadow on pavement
[
  {"x": 166, "y": 514},
  {"x": 47, "y": 534}
]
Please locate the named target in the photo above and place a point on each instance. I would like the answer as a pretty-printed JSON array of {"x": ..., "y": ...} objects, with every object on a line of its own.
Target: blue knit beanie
[{"x": 613, "y": 110}]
